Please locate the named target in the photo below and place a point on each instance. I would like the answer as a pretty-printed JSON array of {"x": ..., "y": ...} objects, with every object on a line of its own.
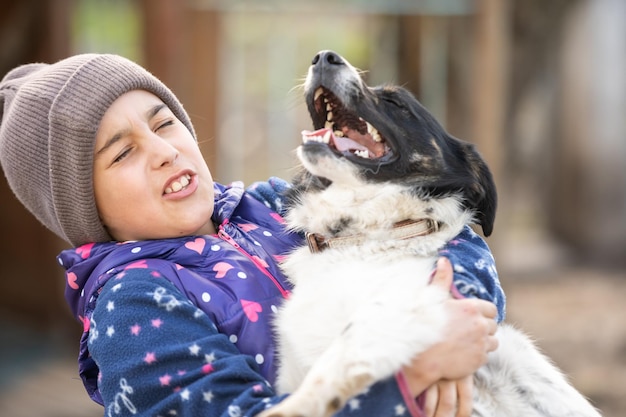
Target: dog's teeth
[
  {"x": 329, "y": 107},
  {"x": 374, "y": 132},
  {"x": 338, "y": 133},
  {"x": 318, "y": 93},
  {"x": 362, "y": 153},
  {"x": 328, "y": 125},
  {"x": 329, "y": 116},
  {"x": 326, "y": 138}
]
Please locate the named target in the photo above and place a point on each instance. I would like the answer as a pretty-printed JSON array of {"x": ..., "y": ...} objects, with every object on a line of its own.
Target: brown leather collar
[{"x": 406, "y": 229}]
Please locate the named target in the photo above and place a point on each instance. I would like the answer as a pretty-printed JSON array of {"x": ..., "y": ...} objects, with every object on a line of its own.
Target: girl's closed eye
[
  {"x": 169, "y": 122},
  {"x": 121, "y": 155}
]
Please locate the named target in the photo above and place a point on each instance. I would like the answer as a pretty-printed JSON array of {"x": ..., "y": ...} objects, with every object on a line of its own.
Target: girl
[{"x": 175, "y": 277}]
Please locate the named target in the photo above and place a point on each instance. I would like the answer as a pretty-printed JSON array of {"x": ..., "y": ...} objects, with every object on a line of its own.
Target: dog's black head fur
[{"x": 407, "y": 144}]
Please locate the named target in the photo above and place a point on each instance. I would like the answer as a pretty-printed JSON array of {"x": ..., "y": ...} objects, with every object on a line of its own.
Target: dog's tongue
[{"x": 342, "y": 144}]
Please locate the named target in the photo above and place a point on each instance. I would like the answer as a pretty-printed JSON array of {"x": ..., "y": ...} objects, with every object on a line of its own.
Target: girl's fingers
[
  {"x": 447, "y": 402},
  {"x": 443, "y": 274},
  {"x": 430, "y": 402},
  {"x": 464, "y": 388}
]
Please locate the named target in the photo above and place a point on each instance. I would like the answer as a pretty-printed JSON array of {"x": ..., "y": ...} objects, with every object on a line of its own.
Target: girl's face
[{"x": 150, "y": 179}]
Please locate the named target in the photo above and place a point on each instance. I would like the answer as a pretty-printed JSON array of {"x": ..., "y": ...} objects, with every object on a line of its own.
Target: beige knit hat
[{"x": 49, "y": 116}]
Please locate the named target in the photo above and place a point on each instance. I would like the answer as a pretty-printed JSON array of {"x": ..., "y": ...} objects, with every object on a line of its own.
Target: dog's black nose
[{"x": 327, "y": 57}]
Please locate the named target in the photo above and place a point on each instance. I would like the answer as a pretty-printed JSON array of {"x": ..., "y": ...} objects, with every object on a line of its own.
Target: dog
[{"x": 382, "y": 189}]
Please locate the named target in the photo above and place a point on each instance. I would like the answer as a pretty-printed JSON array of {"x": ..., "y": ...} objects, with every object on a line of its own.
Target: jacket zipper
[{"x": 227, "y": 238}]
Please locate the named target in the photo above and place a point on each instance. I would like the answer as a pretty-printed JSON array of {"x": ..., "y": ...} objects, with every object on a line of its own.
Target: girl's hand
[
  {"x": 469, "y": 337},
  {"x": 469, "y": 334}
]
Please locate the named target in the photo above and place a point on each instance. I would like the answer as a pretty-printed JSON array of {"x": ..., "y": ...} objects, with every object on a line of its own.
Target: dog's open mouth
[{"x": 343, "y": 130}]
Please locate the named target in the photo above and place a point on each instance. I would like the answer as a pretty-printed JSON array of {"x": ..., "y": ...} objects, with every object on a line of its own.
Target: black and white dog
[{"x": 383, "y": 188}]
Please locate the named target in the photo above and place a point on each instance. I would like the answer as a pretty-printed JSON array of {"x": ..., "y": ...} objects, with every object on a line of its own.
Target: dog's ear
[
  {"x": 480, "y": 190},
  {"x": 464, "y": 171}
]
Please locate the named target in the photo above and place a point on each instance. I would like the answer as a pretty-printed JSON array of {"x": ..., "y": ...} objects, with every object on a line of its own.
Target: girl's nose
[{"x": 163, "y": 152}]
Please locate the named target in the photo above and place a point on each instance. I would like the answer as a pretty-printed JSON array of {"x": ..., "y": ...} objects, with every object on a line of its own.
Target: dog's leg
[
  {"x": 380, "y": 338},
  {"x": 519, "y": 380}
]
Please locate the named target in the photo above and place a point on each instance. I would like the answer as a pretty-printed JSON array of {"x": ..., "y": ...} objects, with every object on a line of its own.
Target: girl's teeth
[{"x": 178, "y": 185}]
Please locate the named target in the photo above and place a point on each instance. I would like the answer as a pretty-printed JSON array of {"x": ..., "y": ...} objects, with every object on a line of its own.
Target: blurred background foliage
[{"x": 539, "y": 87}]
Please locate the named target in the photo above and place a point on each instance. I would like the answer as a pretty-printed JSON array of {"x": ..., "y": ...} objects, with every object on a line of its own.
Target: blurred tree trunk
[
  {"x": 457, "y": 66},
  {"x": 181, "y": 47},
  {"x": 31, "y": 282},
  {"x": 33, "y": 30}
]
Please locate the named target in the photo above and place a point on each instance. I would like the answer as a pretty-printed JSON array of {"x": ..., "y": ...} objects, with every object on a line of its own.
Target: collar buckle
[{"x": 315, "y": 242}]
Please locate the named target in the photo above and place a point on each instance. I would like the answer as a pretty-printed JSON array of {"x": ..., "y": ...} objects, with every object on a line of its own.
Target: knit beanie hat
[{"x": 49, "y": 116}]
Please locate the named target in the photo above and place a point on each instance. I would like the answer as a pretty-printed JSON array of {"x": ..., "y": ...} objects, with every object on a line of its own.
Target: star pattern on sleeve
[
  {"x": 135, "y": 329},
  {"x": 185, "y": 394},
  {"x": 194, "y": 349},
  {"x": 165, "y": 380},
  {"x": 207, "y": 396},
  {"x": 400, "y": 409},
  {"x": 149, "y": 358},
  {"x": 354, "y": 404},
  {"x": 209, "y": 358}
]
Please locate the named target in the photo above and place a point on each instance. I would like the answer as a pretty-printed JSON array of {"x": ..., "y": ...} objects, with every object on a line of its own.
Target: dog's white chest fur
[
  {"x": 359, "y": 313},
  {"x": 351, "y": 295}
]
